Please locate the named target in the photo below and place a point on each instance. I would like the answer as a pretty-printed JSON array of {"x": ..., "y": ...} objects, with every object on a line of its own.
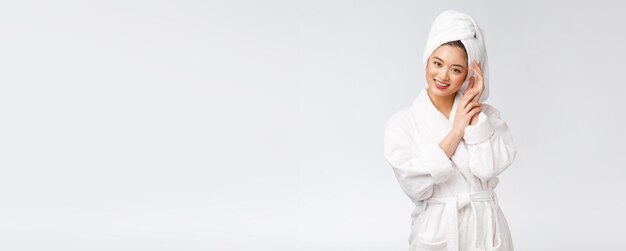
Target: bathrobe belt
[{"x": 454, "y": 204}]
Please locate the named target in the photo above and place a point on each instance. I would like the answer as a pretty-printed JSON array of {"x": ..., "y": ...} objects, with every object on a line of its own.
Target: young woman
[{"x": 448, "y": 148}]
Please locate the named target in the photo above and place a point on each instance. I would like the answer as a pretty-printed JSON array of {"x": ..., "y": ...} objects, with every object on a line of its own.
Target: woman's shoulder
[{"x": 400, "y": 114}]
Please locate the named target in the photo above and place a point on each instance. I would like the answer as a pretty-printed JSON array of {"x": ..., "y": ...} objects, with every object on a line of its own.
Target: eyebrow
[{"x": 452, "y": 65}]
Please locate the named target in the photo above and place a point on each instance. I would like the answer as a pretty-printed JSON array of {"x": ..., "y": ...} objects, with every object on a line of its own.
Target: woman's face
[{"x": 447, "y": 66}]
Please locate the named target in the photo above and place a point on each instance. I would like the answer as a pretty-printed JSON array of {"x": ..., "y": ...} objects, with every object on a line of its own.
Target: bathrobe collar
[
  {"x": 436, "y": 126},
  {"x": 423, "y": 102}
]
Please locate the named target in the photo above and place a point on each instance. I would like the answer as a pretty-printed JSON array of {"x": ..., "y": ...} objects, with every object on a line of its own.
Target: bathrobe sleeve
[
  {"x": 490, "y": 144},
  {"x": 417, "y": 167}
]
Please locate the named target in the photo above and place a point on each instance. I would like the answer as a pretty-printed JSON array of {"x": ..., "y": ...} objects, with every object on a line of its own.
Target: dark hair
[{"x": 457, "y": 43}]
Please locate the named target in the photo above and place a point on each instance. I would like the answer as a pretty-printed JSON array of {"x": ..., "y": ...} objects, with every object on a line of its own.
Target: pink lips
[{"x": 440, "y": 87}]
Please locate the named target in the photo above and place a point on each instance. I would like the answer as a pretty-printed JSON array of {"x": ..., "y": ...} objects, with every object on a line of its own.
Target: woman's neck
[{"x": 443, "y": 104}]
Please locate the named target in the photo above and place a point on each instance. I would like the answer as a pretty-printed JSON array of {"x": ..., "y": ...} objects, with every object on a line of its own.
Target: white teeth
[{"x": 440, "y": 84}]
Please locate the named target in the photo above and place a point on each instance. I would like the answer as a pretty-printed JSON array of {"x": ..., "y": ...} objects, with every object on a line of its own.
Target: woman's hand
[
  {"x": 476, "y": 84},
  {"x": 466, "y": 111}
]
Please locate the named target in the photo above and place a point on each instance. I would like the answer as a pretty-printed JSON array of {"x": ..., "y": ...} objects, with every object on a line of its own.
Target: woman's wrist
[{"x": 458, "y": 132}]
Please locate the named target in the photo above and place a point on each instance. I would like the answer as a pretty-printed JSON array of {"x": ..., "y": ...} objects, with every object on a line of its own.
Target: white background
[{"x": 239, "y": 125}]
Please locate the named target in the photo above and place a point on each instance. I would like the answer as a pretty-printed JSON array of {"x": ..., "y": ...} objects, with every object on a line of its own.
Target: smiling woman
[
  {"x": 447, "y": 148},
  {"x": 445, "y": 73}
]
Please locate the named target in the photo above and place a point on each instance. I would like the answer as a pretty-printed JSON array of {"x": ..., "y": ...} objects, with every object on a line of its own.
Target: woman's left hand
[{"x": 476, "y": 83}]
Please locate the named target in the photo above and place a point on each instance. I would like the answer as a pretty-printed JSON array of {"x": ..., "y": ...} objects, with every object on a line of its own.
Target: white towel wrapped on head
[{"x": 452, "y": 25}]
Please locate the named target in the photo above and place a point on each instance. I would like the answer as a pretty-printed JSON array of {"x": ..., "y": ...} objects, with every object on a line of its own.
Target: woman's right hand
[{"x": 466, "y": 111}]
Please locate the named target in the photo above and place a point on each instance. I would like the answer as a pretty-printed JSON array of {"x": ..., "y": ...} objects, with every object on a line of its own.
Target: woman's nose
[{"x": 443, "y": 75}]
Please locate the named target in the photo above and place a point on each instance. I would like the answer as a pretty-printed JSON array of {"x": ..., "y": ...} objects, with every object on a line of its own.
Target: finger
[
  {"x": 479, "y": 91},
  {"x": 475, "y": 66},
  {"x": 470, "y": 93},
  {"x": 471, "y": 105},
  {"x": 467, "y": 97},
  {"x": 471, "y": 82},
  {"x": 476, "y": 98},
  {"x": 474, "y": 111},
  {"x": 478, "y": 70}
]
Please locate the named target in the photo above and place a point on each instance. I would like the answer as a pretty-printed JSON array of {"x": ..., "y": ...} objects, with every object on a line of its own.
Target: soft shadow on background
[{"x": 192, "y": 125}]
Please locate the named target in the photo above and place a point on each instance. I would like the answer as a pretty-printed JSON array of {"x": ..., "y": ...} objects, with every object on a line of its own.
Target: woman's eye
[
  {"x": 456, "y": 71},
  {"x": 437, "y": 63}
]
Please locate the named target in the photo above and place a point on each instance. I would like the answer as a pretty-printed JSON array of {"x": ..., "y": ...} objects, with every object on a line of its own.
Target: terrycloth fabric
[
  {"x": 455, "y": 203},
  {"x": 452, "y": 25}
]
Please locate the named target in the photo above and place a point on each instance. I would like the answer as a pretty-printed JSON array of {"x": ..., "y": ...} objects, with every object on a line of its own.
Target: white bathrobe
[{"x": 455, "y": 205}]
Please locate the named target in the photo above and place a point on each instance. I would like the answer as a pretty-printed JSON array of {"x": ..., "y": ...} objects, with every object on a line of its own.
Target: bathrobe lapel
[
  {"x": 436, "y": 126},
  {"x": 435, "y": 123}
]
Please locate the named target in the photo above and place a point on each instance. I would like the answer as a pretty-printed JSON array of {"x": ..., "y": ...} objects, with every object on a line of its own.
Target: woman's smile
[{"x": 441, "y": 85}]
